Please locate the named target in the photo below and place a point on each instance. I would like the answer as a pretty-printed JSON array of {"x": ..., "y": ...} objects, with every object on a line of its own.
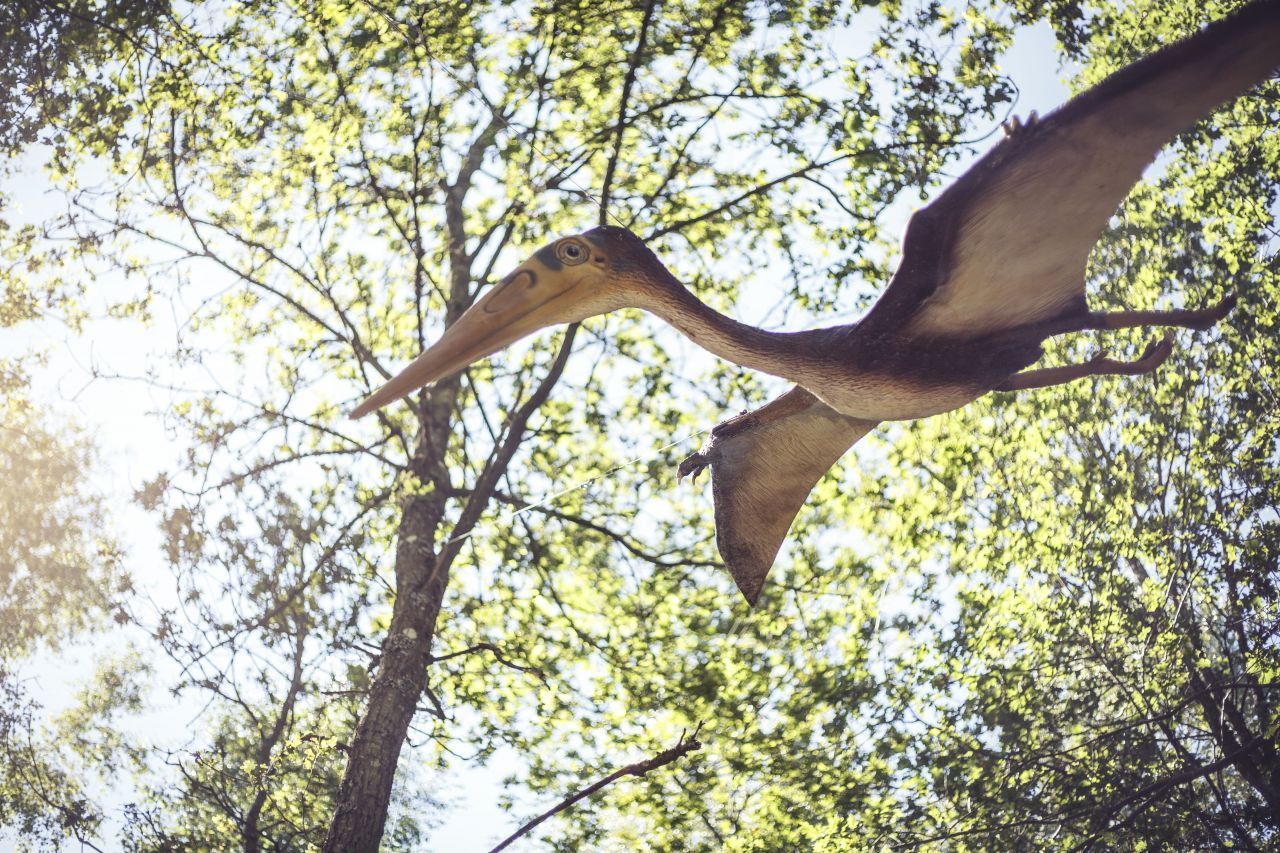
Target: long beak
[{"x": 519, "y": 305}]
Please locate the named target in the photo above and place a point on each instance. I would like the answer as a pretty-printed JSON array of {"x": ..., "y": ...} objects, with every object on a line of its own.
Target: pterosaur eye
[{"x": 571, "y": 252}]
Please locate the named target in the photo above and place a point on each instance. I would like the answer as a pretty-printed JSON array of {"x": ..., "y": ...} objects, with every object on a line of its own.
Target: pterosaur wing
[
  {"x": 763, "y": 466},
  {"x": 1006, "y": 244}
]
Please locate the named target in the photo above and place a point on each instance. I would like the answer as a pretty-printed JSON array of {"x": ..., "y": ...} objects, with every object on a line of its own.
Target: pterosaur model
[{"x": 990, "y": 269}]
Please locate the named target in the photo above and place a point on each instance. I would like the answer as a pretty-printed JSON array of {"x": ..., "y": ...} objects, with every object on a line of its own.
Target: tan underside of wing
[
  {"x": 762, "y": 473},
  {"x": 1018, "y": 255}
]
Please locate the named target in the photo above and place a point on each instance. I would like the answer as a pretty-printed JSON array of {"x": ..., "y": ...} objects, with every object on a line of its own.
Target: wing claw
[{"x": 693, "y": 466}]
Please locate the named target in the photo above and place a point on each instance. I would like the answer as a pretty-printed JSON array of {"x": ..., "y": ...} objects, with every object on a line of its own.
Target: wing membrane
[
  {"x": 1007, "y": 244},
  {"x": 763, "y": 466}
]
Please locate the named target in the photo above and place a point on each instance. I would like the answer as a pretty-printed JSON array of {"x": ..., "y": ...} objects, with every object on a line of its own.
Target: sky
[{"x": 133, "y": 447}]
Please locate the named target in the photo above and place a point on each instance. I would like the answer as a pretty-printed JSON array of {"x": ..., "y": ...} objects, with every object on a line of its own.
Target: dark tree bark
[{"x": 365, "y": 793}]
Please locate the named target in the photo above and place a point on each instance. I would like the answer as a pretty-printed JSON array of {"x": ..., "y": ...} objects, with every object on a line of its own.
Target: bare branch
[
  {"x": 667, "y": 756},
  {"x": 627, "y": 83},
  {"x": 621, "y": 538},
  {"x": 498, "y": 656},
  {"x": 741, "y": 197}
]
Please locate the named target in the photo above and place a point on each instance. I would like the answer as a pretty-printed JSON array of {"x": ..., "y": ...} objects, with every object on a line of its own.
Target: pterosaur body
[{"x": 990, "y": 269}]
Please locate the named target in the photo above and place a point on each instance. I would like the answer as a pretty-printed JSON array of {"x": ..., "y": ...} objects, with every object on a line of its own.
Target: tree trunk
[
  {"x": 422, "y": 574},
  {"x": 360, "y": 812}
]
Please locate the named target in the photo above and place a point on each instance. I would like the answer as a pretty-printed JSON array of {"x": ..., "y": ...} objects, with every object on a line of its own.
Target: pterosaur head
[{"x": 566, "y": 281}]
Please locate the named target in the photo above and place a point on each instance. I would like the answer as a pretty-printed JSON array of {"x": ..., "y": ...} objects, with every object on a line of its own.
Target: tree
[
  {"x": 61, "y": 572},
  {"x": 329, "y": 186},
  {"x": 62, "y": 576},
  {"x": 50, "y": 56}
]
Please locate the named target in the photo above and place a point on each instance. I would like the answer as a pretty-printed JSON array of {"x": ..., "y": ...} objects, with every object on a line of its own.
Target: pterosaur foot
[
  {"x": 1100, "y": 365},
  {"x": 1187, "y": 318},
  {"x": 1206, "y": 317},
  {"x": 1152, "y": 357}
]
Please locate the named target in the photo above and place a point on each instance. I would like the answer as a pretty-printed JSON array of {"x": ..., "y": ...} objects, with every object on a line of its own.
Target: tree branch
[
  {"x": 497, "y": 465},
  {"x": 627, "y": 83},
  {"x": 738, "y": 199},
  {"x": 497, "y": 655},
  {"x": 667, "y": 756},
  {"x": 620, "y": 538}
]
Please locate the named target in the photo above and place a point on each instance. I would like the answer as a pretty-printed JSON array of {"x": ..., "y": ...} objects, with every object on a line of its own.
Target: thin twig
[
  {"x": 498, "y": 656},
  {"x": 627, "y": 83},
  {"x": 640, "y": 768}
]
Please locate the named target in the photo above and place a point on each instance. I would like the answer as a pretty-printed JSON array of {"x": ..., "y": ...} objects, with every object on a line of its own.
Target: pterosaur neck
[{"x": 771, "y": 352}]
